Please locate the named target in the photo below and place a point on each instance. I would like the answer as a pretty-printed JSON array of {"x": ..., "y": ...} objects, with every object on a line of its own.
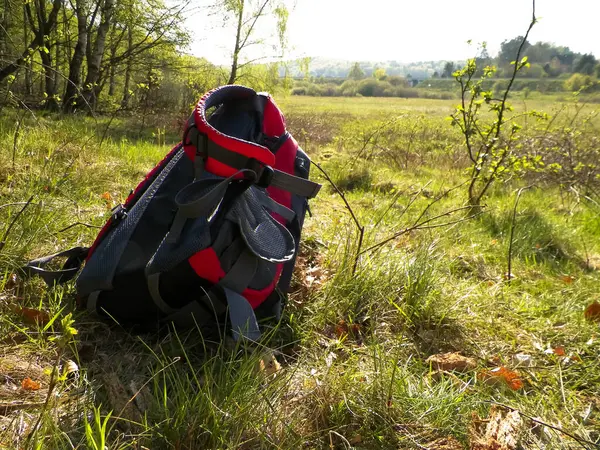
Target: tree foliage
[{"x": 89, "y": 54}]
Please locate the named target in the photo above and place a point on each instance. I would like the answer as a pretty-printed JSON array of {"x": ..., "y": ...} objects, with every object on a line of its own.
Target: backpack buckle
[
  {"x": 118, "y": 213},
  {"x": 266, "y": 177},
  {"x": 264, "y": 172}
]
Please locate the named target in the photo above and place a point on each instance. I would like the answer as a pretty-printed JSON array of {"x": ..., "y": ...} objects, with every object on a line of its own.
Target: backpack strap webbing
[
  {"x": 241, "y": 314},
  {"x": 75, "y": 257}
]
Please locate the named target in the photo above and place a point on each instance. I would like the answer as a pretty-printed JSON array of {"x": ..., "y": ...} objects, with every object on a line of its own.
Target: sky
[{"x": 409, "y": 31}]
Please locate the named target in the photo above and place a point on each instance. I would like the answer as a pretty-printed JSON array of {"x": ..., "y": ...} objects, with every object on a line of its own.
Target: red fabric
[
  {"x": 206, "y": 265},
  {"x": 285, "y": 158},
  {"x": 256, "y": 297},
  {"x": 273, "y": 120}
]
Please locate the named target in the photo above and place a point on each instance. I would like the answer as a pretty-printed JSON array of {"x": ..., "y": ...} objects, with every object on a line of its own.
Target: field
[{"x": 425, "y": 340}]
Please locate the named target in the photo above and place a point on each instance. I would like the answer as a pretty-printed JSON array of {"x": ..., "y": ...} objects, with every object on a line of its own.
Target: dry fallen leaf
[
  {"x": 559, "y": 351},
  {"x": 501, "y": 431},
  {"x": 502, "y": 375},
  {"x": 70, "y": 369},
  {"x": 568, "y": 279},
  {"x": 11, "y": 282},
  {"x": 29, "y": 385},
  {"x": 268, "y": 364},
  {"x": 446, "y": 443},
  {"x": 451, "y": 361},
  {"x": 356, "y": 439},
  {"x": 592, "y": 312},
  {"x": 33, "y": 316}
]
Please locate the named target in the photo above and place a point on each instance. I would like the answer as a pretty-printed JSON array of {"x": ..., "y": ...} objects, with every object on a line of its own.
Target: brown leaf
[
  {"x": 559, "y": 351},
  {"x": 33, "y": 316},
  {"x": 356, "y": 439},
  {"x": 11, "y": 283},
  {"x": 445, "y": 443},
  {"x": 341, "y": 328},
  {"x": 592, "y": 312},
  {"x": 501, "y": 431},
  {"x": 29, "y": 385},
  {"x": 502, "y": 375},
  {"x": 451, "y": 361},
  {"x": 568, "y": 279},
  {"x": 268, "y": 364}
]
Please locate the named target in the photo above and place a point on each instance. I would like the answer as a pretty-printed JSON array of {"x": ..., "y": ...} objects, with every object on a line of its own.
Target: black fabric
[
  {"x": 129, "y": 301},
  {"x": 239, "y": 119}
]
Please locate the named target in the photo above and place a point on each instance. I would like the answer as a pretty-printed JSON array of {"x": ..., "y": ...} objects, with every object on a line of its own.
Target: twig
[
  {"x": 422, "y": 226},
  {"x": 16, "y": 139},
  {"x": 540, "y": 422},
  {"x": 78, "y": 223},
  {"x": 512, "y": 231},
  {"x": 361, "y": 228},
  {"x": 6, "y": 205},
  {"x": 3, "y": 241}
]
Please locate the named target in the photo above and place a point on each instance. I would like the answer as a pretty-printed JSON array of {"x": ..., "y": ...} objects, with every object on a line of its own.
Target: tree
[
  {"x": 585, "y": 64},
  {"x": 43, "y": 29},
  {"x": 73, "y": 83},
  {"x": 510, "y": 48},
  {"x": 379, "y": 73},
  {"x": 448, "y": 70},
  {"x": 247, "y": 14},
  {"x": 356, "y": 73}
]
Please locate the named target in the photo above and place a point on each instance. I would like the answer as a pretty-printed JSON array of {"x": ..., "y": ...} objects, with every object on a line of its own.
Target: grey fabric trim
[
  {"x": 267, "y": 238},
  {"x": 92, "y": 302},
  {"x": 295, "y": 185},
  {"x": 278, "y": 208},
  {"x": 241, "y": 315},
  {"x": 239, "y": 276},
  {"x": 153, "y": 288}
]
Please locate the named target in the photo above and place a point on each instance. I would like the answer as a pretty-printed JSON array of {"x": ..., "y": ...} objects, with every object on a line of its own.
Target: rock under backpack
[{"x": 213, "y": 229}]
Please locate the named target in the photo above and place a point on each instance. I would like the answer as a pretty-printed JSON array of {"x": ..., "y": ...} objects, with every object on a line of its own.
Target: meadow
[{"x": 416, "y": 336}]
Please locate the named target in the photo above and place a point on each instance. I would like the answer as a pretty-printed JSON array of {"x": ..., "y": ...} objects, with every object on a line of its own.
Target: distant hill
[{"x": 339, "y": 68}]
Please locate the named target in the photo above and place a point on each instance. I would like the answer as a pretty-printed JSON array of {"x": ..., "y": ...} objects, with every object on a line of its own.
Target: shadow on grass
[{"x": 535, "y": 239}]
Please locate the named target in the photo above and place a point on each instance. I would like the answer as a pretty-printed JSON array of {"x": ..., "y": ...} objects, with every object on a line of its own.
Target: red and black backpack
[{"x": 213, "y": 229}]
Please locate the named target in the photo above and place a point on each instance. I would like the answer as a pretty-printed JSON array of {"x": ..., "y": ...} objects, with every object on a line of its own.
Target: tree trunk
[
  {"x": 95, "y": 59},
  {"x": 112, "y": 70},
  {"x": 125, "y": 103},
  {"x": 236, "y": 49},
  {"x": 4, "y": 37},
  {"x": 74, "y": 81},
  {"x": 28, "y": 83},
  {"x": 49, "y": 85},
  {"x": 45, "y": 26}
]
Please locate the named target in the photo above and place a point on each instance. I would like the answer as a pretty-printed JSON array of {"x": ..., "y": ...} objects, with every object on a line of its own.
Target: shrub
[{"x": 580, "y": 82}]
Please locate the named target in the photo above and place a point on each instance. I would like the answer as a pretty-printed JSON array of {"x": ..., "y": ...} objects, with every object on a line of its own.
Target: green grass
[{"x": 353, "y": 348}]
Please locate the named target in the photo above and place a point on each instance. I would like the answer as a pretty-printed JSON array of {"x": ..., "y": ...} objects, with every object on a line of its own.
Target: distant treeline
[{"x": 552, "y": 69}]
